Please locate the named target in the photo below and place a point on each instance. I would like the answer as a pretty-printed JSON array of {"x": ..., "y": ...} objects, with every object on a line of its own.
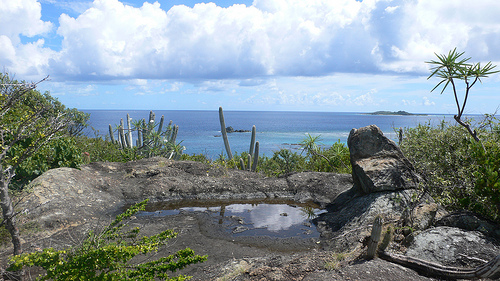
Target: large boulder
[{"x": 377, "y": 162}]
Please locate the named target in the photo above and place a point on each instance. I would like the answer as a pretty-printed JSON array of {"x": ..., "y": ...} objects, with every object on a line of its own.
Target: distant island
[{"x": 401, "y": 112}]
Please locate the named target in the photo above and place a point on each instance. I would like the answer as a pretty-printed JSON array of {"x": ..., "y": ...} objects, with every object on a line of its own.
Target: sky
[{"x": 293, "y": 55}]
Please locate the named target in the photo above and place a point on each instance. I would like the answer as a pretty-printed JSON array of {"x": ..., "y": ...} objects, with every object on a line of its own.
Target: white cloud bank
[{"x": 112, "y": 40}]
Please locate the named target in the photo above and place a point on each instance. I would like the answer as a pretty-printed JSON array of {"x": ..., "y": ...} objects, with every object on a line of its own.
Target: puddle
[{"x": 273, "y": 218}]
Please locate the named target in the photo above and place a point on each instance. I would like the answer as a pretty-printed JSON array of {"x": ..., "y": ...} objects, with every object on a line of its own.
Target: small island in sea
[{"x": 401, "y": 112}]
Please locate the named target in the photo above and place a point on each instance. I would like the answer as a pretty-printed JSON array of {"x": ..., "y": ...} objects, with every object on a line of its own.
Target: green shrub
[
  {"x": 283, "y": 162},
  {"x": 101, "y": 150},
  {"x": 338, "y": 159},
  {"x": 458, "y": 172},
  {"x": 59, "y": 152},
  {"x": 106, "y": 255}
]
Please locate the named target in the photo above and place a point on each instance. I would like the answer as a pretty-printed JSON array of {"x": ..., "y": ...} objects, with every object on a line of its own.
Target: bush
[
  {"x": 106, "y": 255},
  {"x": 283, "y": 162},
  {"x": 100, "y": 150},
  {"x": 60, "y": 152},
  {"x": 338, "y": 159},
  {"x": 458, "y": 172},
  {"x": 36, "y": 131}
]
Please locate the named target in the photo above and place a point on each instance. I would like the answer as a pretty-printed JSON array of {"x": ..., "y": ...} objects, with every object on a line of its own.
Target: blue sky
[{"x": 324, "y": 55}]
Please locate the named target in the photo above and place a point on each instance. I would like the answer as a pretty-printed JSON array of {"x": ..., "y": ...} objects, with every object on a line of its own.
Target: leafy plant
[
  {"x": 458, "y": 172},
  {"x": 60, "y": 152},
  {"x": 283, "y": 162},
  {"x": 331, "y": 159},
  {"x": 107, "y": 255},
  {"x": 453, "y": 67},
  {"x": 28, "y": 121}
]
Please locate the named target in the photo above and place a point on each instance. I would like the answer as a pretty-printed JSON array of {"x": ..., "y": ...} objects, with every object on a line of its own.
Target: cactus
[
  {"x": 129, "y": 132},
  {"x": 160, "y": 127},
  {"x": 224, "y": 133},
  {"x": 249, "y": 161},
  {"x": 252, "y": 140},
  {"x": 122, "y": 135},
  {"x": 111, "y": 136},
  {"x": 151, "y": 122},
  {"x": 255, "y": 157},
  {"x": 242, "y": 164},
  {"x": 139, "y": 138},
  {"x": 374, "y": 238},
  {"x": 150, "y": 142},
  {"x": 386, "y": 240}
]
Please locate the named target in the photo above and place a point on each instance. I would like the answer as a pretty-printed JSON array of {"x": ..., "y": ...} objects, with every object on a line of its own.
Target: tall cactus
[
  {"x": 255, "y": 157},
  {"x": 129, "y": 132},
  {"x": 374, "y": 238},
  {"x": 122, "y": 135},
  {"x": 224, "y": 133},
  {"x": 249, "y": 162},
  {"x": 160, "y": 127},
  {"x": 252, "y": 140},
  {"x": 111, "y": 135}
]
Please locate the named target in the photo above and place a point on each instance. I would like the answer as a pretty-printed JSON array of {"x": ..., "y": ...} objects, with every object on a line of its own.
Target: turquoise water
[{"x": 200, "y": 130}]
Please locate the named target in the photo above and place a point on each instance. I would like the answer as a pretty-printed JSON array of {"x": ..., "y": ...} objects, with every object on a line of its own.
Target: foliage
[
  {"x": 317, "y": 158},
  {"x": 60, "y": 152},
  {"x": 283, "y": 162},
  {"x": 106, "y": 255},
  {"x": 452, "y": 67},
  {"x": 196, "y": 157},
  {"x": 331, "y": 159},
  {"x": 458, "y": 172},
  {"x": 99, "y": 149},
  {"x": 29, "y": 116},
  {"x": 28, "y": 121}
]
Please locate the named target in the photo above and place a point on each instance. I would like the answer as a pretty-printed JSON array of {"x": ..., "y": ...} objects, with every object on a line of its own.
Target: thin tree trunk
[{"x": 8, "y": 211}]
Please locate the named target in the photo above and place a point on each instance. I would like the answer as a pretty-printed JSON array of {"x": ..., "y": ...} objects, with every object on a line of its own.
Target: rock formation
[{"x": 377, "y": 162}]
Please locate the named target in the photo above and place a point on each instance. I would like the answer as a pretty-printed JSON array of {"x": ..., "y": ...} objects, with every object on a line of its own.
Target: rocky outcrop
[
  {"x": 377, "y": 162},
  {"x": 65, "y": 196}
]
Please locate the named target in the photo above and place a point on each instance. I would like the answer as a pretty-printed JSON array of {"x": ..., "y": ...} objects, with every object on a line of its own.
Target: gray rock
[
  {"x": 451, "y": 246},
  {"x": 67, "y": 197},
  {"x": 350, "y": 216},
  {"x": 377, "y": 162},
  {"x": 470, "y": 221}
]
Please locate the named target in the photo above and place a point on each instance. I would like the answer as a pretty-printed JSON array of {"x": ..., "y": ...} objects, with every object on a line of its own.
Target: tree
[
  {"x": 28, "y": 120},
  {"x": 452, "y": 67}
]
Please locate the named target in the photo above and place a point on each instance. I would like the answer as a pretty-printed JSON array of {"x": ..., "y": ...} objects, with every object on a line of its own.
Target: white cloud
[
  {"x": 23, "y": 18},
  {"x": 112, "y": 40},
  {"x": 427, "y": 102},
  {"x": 391, "y": 9}
]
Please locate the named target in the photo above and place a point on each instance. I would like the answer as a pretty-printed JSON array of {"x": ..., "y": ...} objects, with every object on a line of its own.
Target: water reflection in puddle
[{"x": 275, "y": 218}]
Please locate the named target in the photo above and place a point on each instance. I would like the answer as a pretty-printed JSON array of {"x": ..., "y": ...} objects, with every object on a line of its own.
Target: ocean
[{"x": 199, "y": 131}]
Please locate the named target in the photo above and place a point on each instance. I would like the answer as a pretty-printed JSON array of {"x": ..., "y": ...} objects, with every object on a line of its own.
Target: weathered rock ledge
[
  {"x": 66, "y": 196},
  {"x": 63, "y": 203}
]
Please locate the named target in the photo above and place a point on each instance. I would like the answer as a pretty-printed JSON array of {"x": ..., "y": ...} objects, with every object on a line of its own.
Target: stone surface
[
  {"x": 65, "y": 203},
  {"x": 470, "y": 221},
  {"x": 377, "y": 162},
  {"x": 451, "y": 246},
  {"x": 350, "y": 216},
  {"x": 64, "y": 197}
]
